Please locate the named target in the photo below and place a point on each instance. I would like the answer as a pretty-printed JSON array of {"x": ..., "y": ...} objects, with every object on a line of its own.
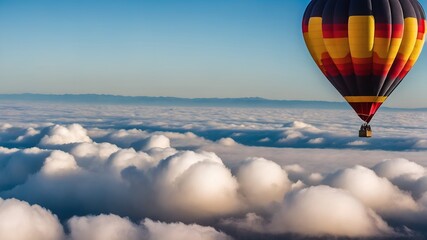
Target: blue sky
[{"x": 224, "y": 48}]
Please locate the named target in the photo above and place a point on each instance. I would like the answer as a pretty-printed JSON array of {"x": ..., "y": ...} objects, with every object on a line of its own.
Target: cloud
[
  {"x": 227, "y": 142},
  {"x": 357, "y": 143},
  {"x": 104, "y": 227},
  {"x": 122, "y": 138},
  {"x": 376, "y": 192},
  {"x": 180, "y": 231},
  {"x": 199, "y": 184},
  {"x": 156, "y": 141},
  {"x": 125, "y": 158},
  {"x": 59, "y": 135},
  {"x": 93, "y": 156},
  {"x": 113, "y": 227},
  {"x": 59, "y": 163},
  {"x": 187, "y": 165},
  {"x": 262, "y": 182},
  {"x": 395, "y": 168},
  {"x": 316, "y": 141},
  {"x": 403, "y": 173},
  {"x": 322, "y": 210},
  {"x": 21, "y": 221},
  {"x": 297, "y": 173},
  {"x": 319, "y": 211}
]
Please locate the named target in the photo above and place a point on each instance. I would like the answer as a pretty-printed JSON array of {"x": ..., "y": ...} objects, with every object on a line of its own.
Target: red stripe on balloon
[
  {"x": 398, "y": 30},
  {"x": 397, "y": 67},
  {"x": 335, "y": 30},
  {"x": 421, "y": 28},
  {"x": 362, "y": 69},
  {"x": 329, "y": 65},
  {"x": 366, "y": 110},
  {"x": 305, "y": 28},
  {"x": 383, "y": 30}
]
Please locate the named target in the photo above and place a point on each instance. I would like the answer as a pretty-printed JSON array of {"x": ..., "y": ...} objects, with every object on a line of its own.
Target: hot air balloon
[{"x": 365, "y": 48}]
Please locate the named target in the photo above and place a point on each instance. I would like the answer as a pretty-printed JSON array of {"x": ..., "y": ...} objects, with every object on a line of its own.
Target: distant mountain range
[{"x": 174, "y": 101}]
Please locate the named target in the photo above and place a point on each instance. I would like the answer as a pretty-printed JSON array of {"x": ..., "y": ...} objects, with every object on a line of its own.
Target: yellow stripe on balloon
[
  {"x": 337, "y": 47},
  {"x": 361, "y": 35},
  {"x": 409, "y": 40},
  {"x": 382, "y": 46},
  {"x": 362, "y": 99},
  {"x": 394, "y": 48},
  {"x": 315, "y": 39}
]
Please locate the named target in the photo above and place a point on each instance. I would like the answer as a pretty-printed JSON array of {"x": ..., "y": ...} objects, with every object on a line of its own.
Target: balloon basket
[{"x": 365, "y": 131}]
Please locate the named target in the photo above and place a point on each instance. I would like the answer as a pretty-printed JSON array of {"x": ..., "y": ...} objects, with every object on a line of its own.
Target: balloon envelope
[{"x": 365, "y": 47}]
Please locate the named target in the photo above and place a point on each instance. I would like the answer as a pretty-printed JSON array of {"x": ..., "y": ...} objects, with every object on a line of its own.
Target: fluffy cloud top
[
  {"x": 376, "y": 192},
  {"x": 21, "y": 221},
  {"x": 199, "y": 184},
  {"x": 395, "y": 168},
  {"x": 156, "y": 141},
  {"x": 59, "y": 134},
  {"x": 180, "y": 231},
  {"x": 227, "y": 142},
  {"x": 59, "y": 163},
  {"x": 104, "y": 227},
  {"x": 262, "y": 182},
  {"x": 322, "y": 210}
]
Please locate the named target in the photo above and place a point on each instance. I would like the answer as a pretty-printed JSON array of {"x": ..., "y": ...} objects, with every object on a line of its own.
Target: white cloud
[
  {"x": 113, "y": 227},
  {"x": 399, "y": 167},
  {"x": 125, "y": 158},
  {"x": 155, "y": 141},
  {"x": 321, "y": 210},
  {"x": 358, "y": 143},
  {"x": 227, "y": 142},
  {"x": 316, "y": 141},
  {"x": 262, "y": 182},
  {"x": 297, "y": 173},
  {"x": 104, "y": 227},
  {"x": 199, "y": 184},
  {"x": 123, "y": 138},
  {"x": 93, "y": 155},
  {"x": 180, "y": 231},
  {"x": 59, "y": 163},
  {"x": 180, "y": 176},
  {"x": 376, "y": 192},
  {"x": 21, "y": 221},
  {"x": 298, "y": 125},
  {"x": 403, "y": 173},
  {"x": 59, "y": 134}
]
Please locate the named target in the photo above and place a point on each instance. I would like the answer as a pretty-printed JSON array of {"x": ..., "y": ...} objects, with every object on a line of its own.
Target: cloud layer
[{"x": 205, "y": 180}]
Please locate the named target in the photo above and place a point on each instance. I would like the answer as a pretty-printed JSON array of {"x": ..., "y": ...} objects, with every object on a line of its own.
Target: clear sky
[{"x": 186, "y": 48}]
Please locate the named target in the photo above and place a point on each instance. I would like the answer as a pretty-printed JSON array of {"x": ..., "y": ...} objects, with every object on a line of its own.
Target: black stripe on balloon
[
  {"x": 381, "y": 11},
  {"x": 396, "y": 12},
  {"x": 408, "y": 9},
  {"x": 418, "y": 10},
  {"x": 341, "y": 12},
  {"x": 423, "y": 14},
  {"x": 319, "y": 5},
  {"x": 360, "y": 8},
  {"x": 328, "y": 12}
]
